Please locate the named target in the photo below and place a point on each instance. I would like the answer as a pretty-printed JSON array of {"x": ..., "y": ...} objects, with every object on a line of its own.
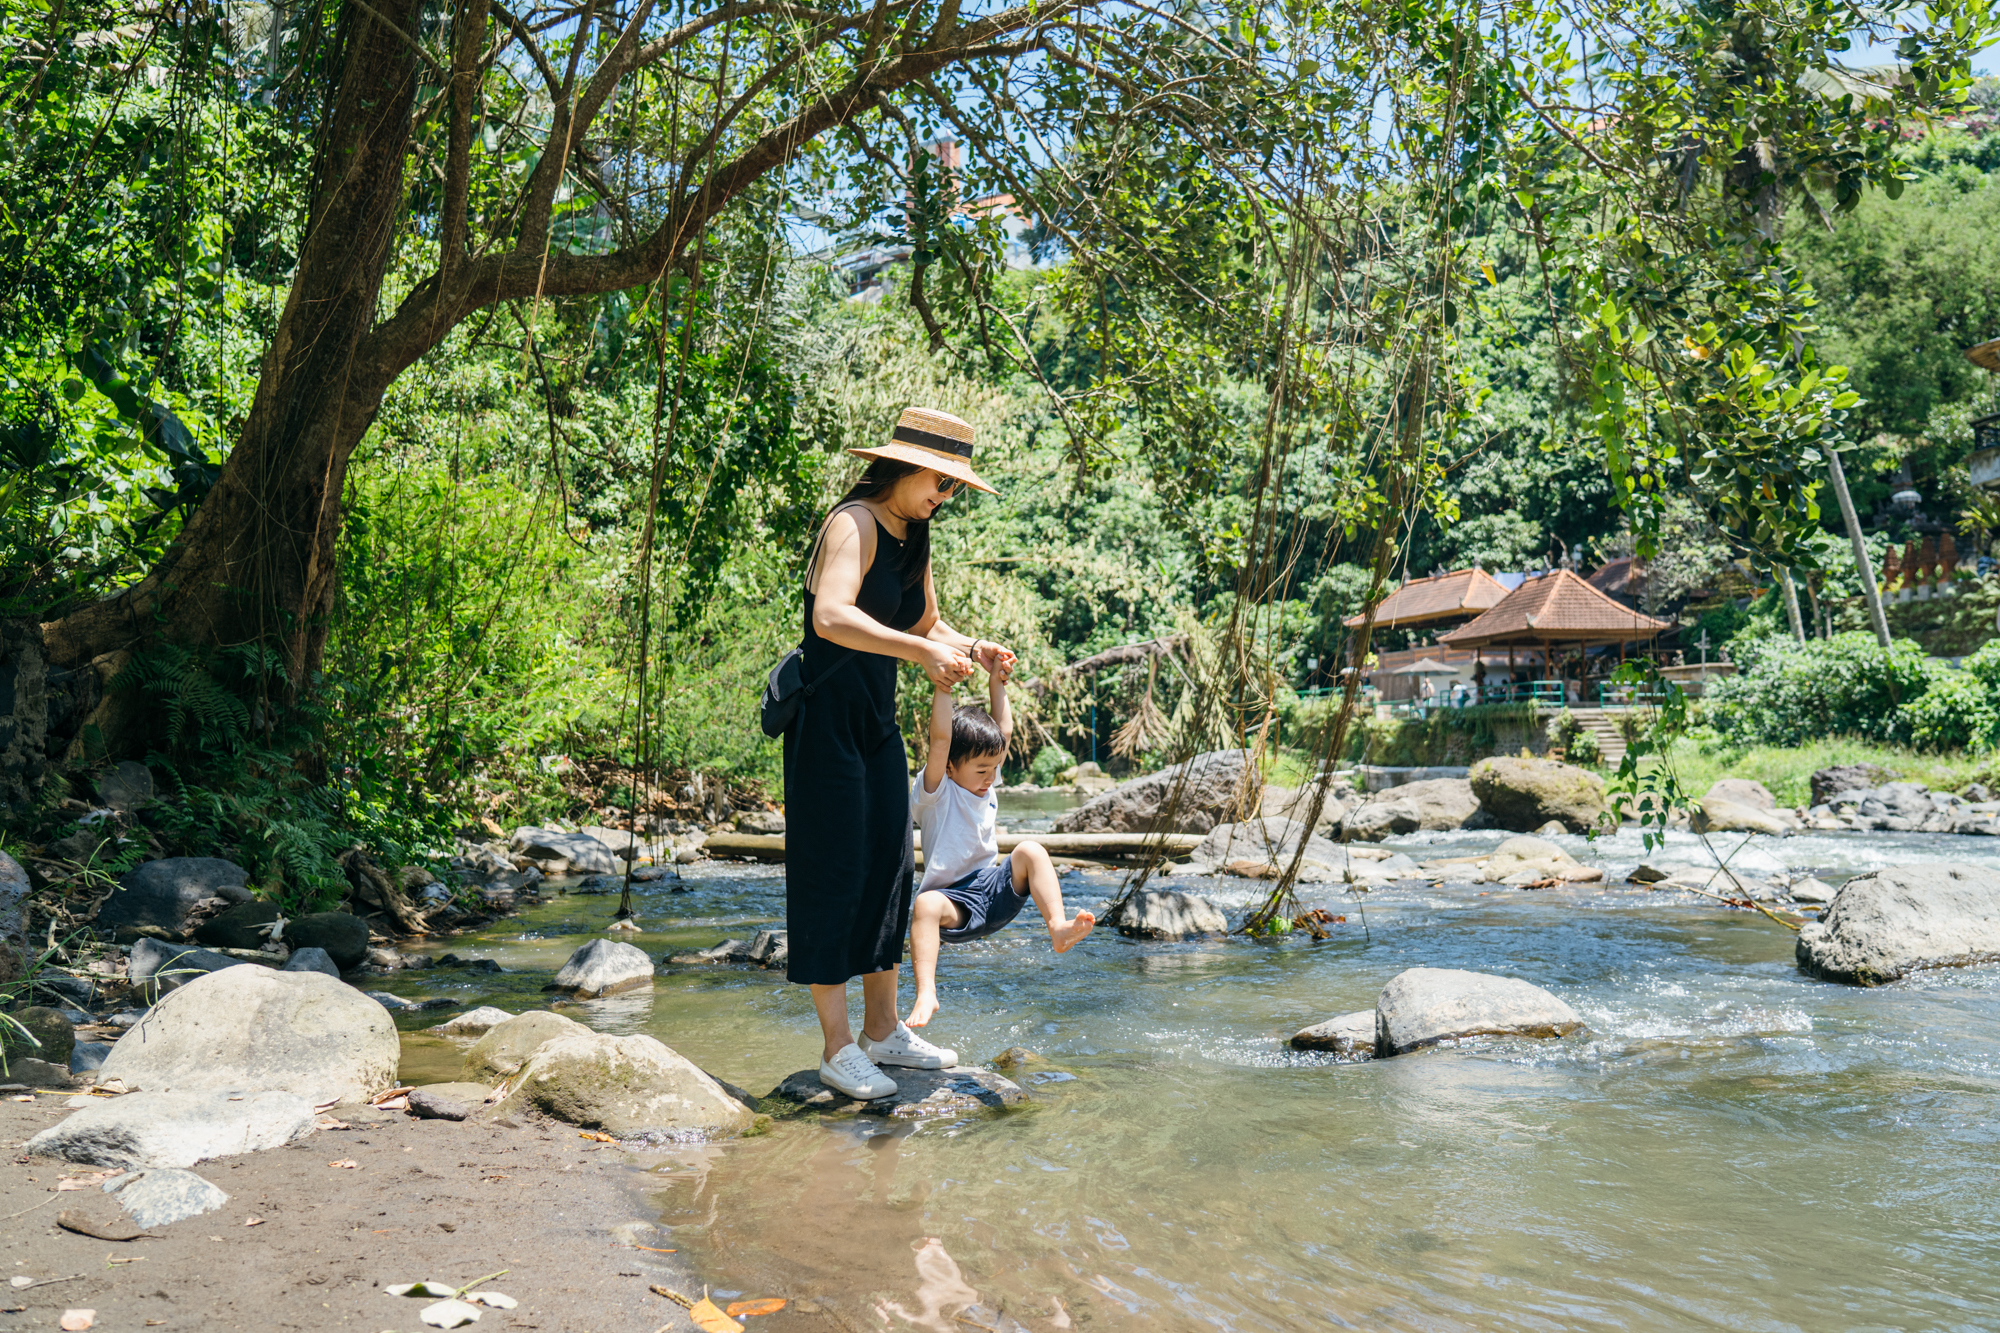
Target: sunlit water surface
[{"x": 1730, "y": 1146}]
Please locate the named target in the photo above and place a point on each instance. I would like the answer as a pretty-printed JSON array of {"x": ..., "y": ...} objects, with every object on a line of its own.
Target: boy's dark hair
[{"x": 974, "y": 734}]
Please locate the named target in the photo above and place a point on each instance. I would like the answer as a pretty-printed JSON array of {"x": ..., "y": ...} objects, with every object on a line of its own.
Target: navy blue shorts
[{"x": 988, "y": 900}]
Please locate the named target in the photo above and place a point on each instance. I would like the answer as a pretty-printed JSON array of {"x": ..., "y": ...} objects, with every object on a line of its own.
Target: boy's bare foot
[
  {"x": 922, "y": 1011},
  {"x": 1065, "y": 936}
]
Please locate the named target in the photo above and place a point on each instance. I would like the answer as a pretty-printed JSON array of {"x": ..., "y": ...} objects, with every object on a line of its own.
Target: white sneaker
[
  {"x": 906, "y": 1048},
  {"x": 850, "y": 1072}
]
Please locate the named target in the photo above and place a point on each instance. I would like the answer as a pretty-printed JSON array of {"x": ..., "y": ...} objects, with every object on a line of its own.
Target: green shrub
[
  {"x": 1787, "y": 693},
  {"x": 1050, "y": 760}
]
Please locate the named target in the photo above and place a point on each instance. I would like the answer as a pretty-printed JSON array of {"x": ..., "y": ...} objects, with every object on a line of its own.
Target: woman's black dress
[{"x": 849, "y": 871}]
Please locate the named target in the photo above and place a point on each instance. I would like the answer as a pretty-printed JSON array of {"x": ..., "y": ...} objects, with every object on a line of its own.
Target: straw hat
[{"x": 936, "y": 440}]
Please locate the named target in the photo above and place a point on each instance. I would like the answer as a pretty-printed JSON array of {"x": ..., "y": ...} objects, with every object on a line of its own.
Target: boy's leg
[
  {"x": 1035, "y": 875},
  {"x": 933, "y": 912}
]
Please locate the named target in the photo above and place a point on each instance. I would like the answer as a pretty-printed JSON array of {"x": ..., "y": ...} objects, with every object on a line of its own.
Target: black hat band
[{"x": 924, "y": 439}]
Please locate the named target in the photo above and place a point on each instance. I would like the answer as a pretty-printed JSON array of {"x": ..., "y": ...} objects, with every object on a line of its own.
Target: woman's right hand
[{"x": 945, "y": 666}]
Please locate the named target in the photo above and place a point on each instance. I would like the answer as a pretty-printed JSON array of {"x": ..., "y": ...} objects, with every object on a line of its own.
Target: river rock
[
  {"x": 311, "y": 960},
  {"x": 1830, "y": 782},
  {"x": 1530, "y": 860},
  {"x": 1380, "y": 816},
  {"x": 629, "y": 1087},
  {"x": 919, "y": 1093},
  {"x": 765, "y": 823},
  {"x": 255, "y": 1028},
  {"x": 770, "y": 949},
  {"x": 14, "y": 890},
  {"x": 244, "y": 926},
  {"x": 88, "y": 1056},
  {"x": 1811, "y": 890},
  {"x": 603, "y": 967},
  {"x": 1350, "y": 1036},
  {"x": 162, "y": 893},
  {"x": 127, "y": 786},
  {"x": 447, "y": 1101},
  {"x": 556, "y": 853},
  {"x": 1424, "y": 1006},
  {"x": 506, "y": 1047},
  {"x": 1743, "y": 791},
  {"x": 1211, "y": 790},
  {"x": 155, "y": 968},
  {"x": 1721, "y": 813},
  {"x": 1524, "y": 794},
  {"x": 624, "y": 845},
  {"x": 343, "y": 935},
  {"x": 174, "y": 1129},
  {"x": 1267, "y": 841},
  {"x": 1439, "y": 804},
  {"x": 54, "y": 1035},
  {"x": 1903, "y": 919},
  {"x": 162, "y": 1196},
  {"x": 1165, "y": 915},
  {"x": 473, "y": 1022}
]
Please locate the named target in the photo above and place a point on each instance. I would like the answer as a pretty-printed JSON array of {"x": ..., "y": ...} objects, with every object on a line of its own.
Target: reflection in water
[{"x": 1730, "y": 1145}]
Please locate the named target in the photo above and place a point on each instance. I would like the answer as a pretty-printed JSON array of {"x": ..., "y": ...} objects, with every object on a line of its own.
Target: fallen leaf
[
  {"x": 330, "y": 1123},
  {"x": 382, "y": 1097},
  {"x": 75, "y": 1321},
  {"x": 253, "y": 1221},
  {"x": 25, "y": 1097},
  {"x": 394, "y": 1104},
  {"x": 421, "y": 1289},
  {"x": 449, "y": 1314},
  {"x": 711, "y": 1320},
  {"x": 595, "y": 1137},
  {"x": 346, "y": 1164},
  {"x": 19, "y": 1281},
  {"x": 118, "y": 1228},
  {"x": 764, "y": 1305},
  {"x": 654, "y": 1249}
]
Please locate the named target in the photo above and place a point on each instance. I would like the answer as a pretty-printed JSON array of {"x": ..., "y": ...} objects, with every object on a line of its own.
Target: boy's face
[{"x": 975, "y": 774}]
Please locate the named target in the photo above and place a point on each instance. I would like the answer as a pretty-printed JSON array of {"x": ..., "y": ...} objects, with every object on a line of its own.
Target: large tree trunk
[{"x": 256, "y": 561}]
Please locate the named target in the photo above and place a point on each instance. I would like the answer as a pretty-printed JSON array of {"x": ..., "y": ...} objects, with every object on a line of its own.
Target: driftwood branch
[{"x": 1123, "y": 655}]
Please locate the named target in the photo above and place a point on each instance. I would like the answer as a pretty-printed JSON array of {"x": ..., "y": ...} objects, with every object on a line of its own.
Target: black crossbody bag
[{"x": 787, "y": 690}]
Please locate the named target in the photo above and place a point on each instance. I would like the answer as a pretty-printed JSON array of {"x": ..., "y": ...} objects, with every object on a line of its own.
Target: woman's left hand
[{"x": 991, "y": 655}]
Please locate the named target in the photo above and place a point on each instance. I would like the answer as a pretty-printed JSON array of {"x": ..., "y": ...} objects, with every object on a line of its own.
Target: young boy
[{"x": 964, "y": 894}]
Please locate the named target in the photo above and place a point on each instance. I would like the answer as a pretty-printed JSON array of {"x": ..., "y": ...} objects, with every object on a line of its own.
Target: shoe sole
[
  {"x": 920, "y": 1062},
  {"x": 857, "y": 1096}
]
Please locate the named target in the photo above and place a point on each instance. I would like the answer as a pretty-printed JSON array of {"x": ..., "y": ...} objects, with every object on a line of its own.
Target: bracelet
[{"x": 975, "y": 648}]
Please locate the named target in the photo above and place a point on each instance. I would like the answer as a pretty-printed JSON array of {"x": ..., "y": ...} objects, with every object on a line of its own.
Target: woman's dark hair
[
  {"x": 882, "y": 474},
  {"x": 974, "y": 734}
]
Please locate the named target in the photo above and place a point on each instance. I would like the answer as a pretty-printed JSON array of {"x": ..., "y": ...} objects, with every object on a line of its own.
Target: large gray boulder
[
  {"x": 1424, "y": 1006},
  {"x": 343, "y": 935},
  {"x": 174, "y": 1129},
  {"x": 1828, "y": 783},
  {"x": 1155, "y": 915},
  {"x": 506, "y": 1046},
  {"x": 473, "y": 1022},
  {"x": 557, "y": 853},
  {"x": 1210, "y": 789},
  {"x": 1716, "y": 815},
  {"x": 244, "y": 926},
  {"x": 127, "y": 786},
  {"x": 311, "y": 960},
  {"x": 255, "y": 1028},
  {"x": 1904, "y": 919},
  {"x": 164, "y": 1195},
  {"x": 1743, "y": 791},
  {"x": 1437, "y": 804},
  {"x": 604, "y": 967},
  {"x": 1381, "y": 815},
  {"x": 1525, "y": 794},
  {"x": 14, "y": 891},
  {"x": 162, "y": 893},
  {"x": 629, "y": 1087},
  {"x": 1267, "y": 841},
  {"x": 1350, "y": 1036},
  {"x": 1528, "y": 860}
]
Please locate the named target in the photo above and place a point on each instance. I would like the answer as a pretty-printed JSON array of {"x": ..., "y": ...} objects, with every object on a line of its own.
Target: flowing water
[{"x": 1730, "y": 1146}]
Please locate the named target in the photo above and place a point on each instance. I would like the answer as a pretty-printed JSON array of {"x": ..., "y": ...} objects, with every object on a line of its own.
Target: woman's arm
[{"x": 842, "y": 565}]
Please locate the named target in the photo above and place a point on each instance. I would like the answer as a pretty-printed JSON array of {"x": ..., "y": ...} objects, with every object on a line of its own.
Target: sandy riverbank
[{"x": 425, "y": 1199}]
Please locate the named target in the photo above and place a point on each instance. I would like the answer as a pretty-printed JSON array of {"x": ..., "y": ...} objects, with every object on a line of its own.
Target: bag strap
[{"x": 827, "y": 674}]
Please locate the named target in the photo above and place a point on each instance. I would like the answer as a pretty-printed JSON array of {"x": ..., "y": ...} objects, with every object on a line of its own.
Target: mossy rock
[
  {"x": 50, "y": 1028},
  {"x": 1525, "y": 794},
  {"x": 239, "y": 927}
]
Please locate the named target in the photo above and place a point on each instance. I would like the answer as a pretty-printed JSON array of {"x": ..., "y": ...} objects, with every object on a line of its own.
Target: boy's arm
[
  {"x": 996, "y": 694},
  {"x": 940, "y": 738}
]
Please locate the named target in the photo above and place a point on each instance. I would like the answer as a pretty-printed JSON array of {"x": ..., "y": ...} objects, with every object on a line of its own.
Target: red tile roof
[
  {"x": 1462, "y": 592},
  {"x": 1558, "y": 607}
]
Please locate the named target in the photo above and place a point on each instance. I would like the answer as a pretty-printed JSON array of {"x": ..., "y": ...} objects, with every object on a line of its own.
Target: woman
[{"x": 869, "y": 601}]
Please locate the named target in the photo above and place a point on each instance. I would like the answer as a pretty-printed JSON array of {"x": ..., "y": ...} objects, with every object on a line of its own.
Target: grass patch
[{"x": 1788, "y": 770}]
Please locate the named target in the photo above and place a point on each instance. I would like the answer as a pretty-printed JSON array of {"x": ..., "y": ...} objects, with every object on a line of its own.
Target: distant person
[
  {"x": 850, "y": 871},
  {"x": 965, "y": 895},
  {"x": 1430, "y": 694}
]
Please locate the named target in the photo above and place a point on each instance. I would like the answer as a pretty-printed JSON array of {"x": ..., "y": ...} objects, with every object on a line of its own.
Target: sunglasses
[{"x": 948, "y": 486}]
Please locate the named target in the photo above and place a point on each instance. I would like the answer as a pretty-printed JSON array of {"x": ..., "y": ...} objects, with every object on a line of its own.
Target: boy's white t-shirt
[{"x": 958, "y": 828}]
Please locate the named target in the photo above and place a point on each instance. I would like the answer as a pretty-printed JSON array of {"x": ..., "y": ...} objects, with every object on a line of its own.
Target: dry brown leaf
[
  {"x": 253, "y": 1221},
  {"x": 595, "y": 1137},
  {"x": 75, "y": 1321},
  {"x": 382, "y": 1097},
  {"x": 762, "y": 1305},
  {"x": 346, "y": 1164},
  {"x": 328, "y": 1122},
  {"x": 24, "y": 1097},
  {"x": 709, "y": 1319}
]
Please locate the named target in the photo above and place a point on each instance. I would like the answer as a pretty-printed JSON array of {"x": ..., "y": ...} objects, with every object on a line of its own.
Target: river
[{"x": 1731, "y": 1145}]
